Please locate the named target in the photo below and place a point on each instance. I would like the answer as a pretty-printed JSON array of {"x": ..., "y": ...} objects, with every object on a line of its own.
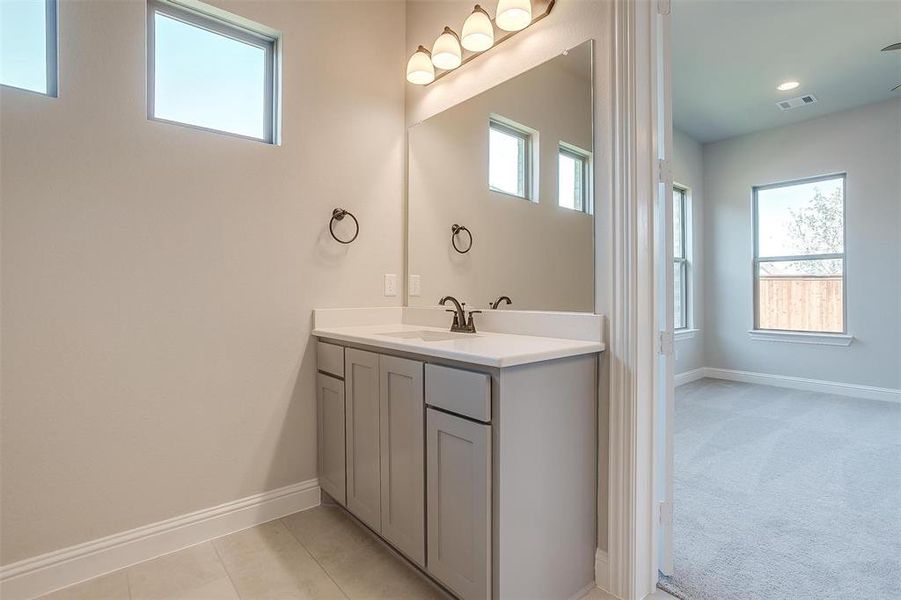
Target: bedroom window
[{"x": 799, "y": 255}]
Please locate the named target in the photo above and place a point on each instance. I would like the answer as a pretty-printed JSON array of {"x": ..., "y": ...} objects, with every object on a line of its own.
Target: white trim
[
  {"x": 633, "y": 189},
  {"x": 583, "y": 592},
  {"x": 42, "y": 574},
  {"x": 685, "y": 334},
  {"x": 853, "y": 390},
  {"x": 801, "y": 337},
  {"x": 602, "y": 570},
  {"x": 689, "y": 376}
]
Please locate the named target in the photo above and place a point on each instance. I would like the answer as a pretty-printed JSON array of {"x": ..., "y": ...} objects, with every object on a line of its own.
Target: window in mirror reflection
[
  {"x": 572, "y": 179},
  {"x": 509, "y": 158}
]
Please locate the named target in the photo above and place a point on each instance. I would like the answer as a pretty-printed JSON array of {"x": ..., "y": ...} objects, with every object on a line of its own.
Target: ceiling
[{"x": 729, "y": 56}]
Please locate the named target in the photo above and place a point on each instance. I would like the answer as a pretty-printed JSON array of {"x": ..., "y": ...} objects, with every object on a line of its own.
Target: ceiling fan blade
[
  {"x": 896, "y": 88},
  {"x": 895, "y": 46}
]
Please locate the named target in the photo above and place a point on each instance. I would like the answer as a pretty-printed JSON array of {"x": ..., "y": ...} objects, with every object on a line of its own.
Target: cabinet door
[
  {"x": 330, "y": 392},
  {"x": 459, "y": 503},
  {"x": 361, "y": 378},
  {"x": 403, "y": 476}
]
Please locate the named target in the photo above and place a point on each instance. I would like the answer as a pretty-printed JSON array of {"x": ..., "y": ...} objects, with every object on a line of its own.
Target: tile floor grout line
[
  {"x": 127, "y": 583},
  {"x": 316, "y": 560},
  {"x": 225, "y": 567}
]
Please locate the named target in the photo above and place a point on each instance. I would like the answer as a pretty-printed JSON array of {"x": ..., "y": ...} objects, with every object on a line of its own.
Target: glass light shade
[
  {"x": 478, "y": 32},
  {"x": 513, "y": 15},
  {"x": 446, "y": 53},
  {"x": 419, "y": 68}
]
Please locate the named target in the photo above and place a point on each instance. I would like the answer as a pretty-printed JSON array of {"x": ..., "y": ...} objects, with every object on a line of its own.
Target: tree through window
[{"x": 799, "y": 261}]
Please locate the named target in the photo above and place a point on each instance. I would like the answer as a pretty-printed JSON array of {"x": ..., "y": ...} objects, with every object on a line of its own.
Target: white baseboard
[
  {"x": 601, "y": 570},
  {"x": 582, "y": 593},
  {"x": 689, "y": 376},
  {"x": 853, "y": 390},
  {"x": 42, "y": 574}
]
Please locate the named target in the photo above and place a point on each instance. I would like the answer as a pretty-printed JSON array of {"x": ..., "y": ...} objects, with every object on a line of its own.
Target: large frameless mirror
[{"x": 501, "y": 194}]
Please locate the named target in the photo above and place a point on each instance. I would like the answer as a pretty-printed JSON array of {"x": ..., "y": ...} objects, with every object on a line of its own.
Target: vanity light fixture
[
  {"x": 478, "y": 32},
  {"x": 420, "y": 69},
  {"x": 446, "y": 53},
  {"x": 478, "y": 36},
  {"x": 514, "y": 15}
]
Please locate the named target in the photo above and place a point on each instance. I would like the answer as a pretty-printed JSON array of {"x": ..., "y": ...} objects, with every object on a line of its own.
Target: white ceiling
[{"x": 729, "y": 56}]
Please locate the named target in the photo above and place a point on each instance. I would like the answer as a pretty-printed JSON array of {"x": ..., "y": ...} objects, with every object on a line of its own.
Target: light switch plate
[
  {"x": 390, "y": 284},
  {"x": 415, "y": 286}
]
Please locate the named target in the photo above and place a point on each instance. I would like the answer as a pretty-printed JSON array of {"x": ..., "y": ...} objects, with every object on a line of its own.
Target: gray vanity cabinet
[
  {"x": 330, "y": 391},
  {"x": 459, "y": 503},
  {"x": 402, "y": 471},
  {"x": 484, "y": 477},
  {"x": 361, "y": 378}
]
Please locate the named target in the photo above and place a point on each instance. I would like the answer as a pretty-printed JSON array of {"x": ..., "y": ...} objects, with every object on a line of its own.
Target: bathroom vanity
[{"x": 473, "y": 455}]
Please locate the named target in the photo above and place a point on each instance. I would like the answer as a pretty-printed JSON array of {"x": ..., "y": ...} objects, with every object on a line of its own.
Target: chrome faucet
[
  {"x": 461, "y": 324},
  {"x": 494, "y": 305}
]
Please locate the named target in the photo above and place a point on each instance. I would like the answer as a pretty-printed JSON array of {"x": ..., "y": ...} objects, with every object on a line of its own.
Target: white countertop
[{"x": 483, "y": 348}]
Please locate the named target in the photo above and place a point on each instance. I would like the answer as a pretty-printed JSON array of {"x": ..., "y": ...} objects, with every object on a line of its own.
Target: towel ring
[
  {"x": 338, "y": 215},
  {"x": 455, "y": 229}
]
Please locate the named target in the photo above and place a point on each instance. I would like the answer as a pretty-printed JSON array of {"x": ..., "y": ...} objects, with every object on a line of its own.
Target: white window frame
[
  {"x": 51, "y": 51},
  {"x": 802, "y": 336},
  {"x": 685, "y": 260},
  {"x": 585, "y": 157},
  {"x": 237, "y": 28},
  {"x": 529, "y": 137}
]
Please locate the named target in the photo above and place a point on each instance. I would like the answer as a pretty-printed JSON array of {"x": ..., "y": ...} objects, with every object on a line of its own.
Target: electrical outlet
[
  {"x": 415, "y": 287},
  {"x": 390, "y": 284}
]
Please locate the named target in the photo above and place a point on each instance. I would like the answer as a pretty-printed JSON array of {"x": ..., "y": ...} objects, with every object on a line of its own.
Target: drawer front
[
  {"x": 330, "y": 359},
  {"x": 462, "y": 392}
]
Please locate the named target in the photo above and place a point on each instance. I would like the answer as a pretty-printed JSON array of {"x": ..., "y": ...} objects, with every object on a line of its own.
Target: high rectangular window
[
  {"x": 209, "y": 73},
  {"x": 799, "y": 255},
  {"x": 680, "y": 258},
  {"x": 573, "y": 172},
  {"x": 28, "y": 45},
  {"x": 509, "y": 159}
]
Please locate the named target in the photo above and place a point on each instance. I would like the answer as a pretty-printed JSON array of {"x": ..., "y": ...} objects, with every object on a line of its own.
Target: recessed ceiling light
[{"x": 788, "y": 85}]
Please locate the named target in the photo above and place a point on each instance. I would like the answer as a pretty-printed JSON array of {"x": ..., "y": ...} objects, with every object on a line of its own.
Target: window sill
[
  {"x": 685, "y": 334},
  {"x": 802, "y": 337}
]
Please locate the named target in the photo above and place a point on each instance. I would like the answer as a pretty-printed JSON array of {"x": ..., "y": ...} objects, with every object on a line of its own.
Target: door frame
[{"x": 638, "y": 60}]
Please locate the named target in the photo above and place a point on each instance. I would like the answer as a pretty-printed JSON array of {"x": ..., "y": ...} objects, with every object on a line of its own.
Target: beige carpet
[{"x": 783, "y": 494}]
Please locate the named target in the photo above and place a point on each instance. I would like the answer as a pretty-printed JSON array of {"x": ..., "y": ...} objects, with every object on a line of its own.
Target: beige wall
[
  {"x": 536, "y": 252},
  {"x": 158, "y": 281},
  {"x": 570, "y": 24}
]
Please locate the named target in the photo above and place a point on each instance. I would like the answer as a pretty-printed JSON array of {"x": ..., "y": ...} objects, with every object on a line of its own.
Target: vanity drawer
[
  {"x": 462, "y": 392},
  {"x": 330, "y": 359}
]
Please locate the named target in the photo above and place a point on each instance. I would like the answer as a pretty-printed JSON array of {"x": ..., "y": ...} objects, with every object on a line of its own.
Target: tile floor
[{"x": 319, "y": 553}]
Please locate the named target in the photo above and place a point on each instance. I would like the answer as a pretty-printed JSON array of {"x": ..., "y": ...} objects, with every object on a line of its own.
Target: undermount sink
[{"x": 428, "y": 336}]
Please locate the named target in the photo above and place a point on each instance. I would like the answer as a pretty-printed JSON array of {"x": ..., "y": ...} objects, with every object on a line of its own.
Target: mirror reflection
[{"x": 501, "y": 202}]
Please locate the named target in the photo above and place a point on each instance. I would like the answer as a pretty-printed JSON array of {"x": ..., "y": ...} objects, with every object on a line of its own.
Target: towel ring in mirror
[
  {"x": 338, "y": 215},
  {"x": 456, "y": 229}
]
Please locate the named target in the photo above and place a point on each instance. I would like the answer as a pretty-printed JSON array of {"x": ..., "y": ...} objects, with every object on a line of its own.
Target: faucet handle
[{"x": 456, "y": 317}]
